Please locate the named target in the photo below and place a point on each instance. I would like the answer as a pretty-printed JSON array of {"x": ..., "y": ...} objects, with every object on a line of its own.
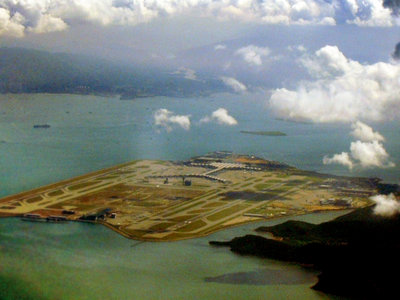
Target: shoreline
[
  {"x": 216, "y": 230},
  {"x": 63, "y": 182},
  {"x": 146, "y": 200},
  {"x": 176, "y": 239}
]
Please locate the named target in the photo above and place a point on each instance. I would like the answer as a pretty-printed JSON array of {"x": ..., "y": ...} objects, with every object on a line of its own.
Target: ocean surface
[
  {"x": 88, "y": 261},
  {"x": 87, "y": 133}
]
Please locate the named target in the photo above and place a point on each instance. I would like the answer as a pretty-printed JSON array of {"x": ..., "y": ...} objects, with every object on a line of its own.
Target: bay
[
  {"x": 87, "y": 261},
  {"x": 88, "y": 133}
]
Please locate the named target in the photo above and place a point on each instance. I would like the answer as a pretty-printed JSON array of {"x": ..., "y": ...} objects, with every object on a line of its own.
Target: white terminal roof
[{"x": 227, "y": 165}]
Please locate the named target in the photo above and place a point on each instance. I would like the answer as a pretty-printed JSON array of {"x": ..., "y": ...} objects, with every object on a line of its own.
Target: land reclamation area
[{"x": 166, "y": 201}]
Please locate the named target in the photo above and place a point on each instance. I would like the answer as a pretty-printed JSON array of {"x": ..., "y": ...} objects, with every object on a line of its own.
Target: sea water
[
  {"x": 88, "y": 261},
  {"x": 87, "y": 133}
]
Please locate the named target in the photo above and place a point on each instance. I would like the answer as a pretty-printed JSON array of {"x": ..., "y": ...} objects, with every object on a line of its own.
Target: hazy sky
[
  {"x": 244, "y": 39},
  {"x": 134, "y": 29},
  {"x": 315, "y": 60},
  {"x": 247, "y": 43},
  {"x": 298, "y": 51}
]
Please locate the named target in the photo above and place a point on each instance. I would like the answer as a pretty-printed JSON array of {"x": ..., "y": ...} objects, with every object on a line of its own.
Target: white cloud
[
  {"x": 167, "y": 119},
  {"x": 368, "y": 152},
  {"x": 220, "y": 47},
  {"x": 328, "y": 62},
  {"x": 19, "y": 16},
  {"x": 11, "y": 25},
  {"x": 38, "y": 16},
  {"x": 233, "y": 83},
  {"x": 365, "y": 133},
  {"x": 220, "y": 116},
  {"x": 272, "y": 11},
  {"x": 253, "y": 55},
  {"x": 343, "y": 90},
  {"x": 341, "y": 159},
  {"x": 386, "y": 205},
  {"x": 300, "y": 48},
  {"x": 47, "y": 23},
  {"x": 370, "y": 13}
]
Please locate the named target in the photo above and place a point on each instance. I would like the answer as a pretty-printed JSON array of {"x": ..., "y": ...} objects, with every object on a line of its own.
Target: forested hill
[
  {"x": 33, "y": 71},
  {"x": 357, "y": 254}
]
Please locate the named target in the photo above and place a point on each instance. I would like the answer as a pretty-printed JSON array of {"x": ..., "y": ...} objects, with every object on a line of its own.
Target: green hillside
[
  {"x": 33, "y": 71},
  {"x": 355, "y": 253}
]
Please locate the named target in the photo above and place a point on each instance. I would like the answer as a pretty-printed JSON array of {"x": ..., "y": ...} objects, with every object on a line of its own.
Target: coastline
[
  {"x": 336, "y": 248},
  {"x": 61, "y": 183},
  {"x": 150, "y": 200},
  {"x": 126, "y": 235}
]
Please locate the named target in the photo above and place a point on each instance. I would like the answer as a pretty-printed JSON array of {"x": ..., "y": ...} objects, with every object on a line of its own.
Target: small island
[
  {"x": 265, "y": 133},
  {"x": 304, "y": 122},
  {"x": 41, "y": 126}
]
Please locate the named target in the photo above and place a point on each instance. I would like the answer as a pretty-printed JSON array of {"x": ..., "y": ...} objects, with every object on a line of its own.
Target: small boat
[{"x": 41, "y": 126}]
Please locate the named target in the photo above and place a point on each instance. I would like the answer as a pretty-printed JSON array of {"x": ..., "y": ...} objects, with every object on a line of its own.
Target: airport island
[{"x": 153, "y": 200}]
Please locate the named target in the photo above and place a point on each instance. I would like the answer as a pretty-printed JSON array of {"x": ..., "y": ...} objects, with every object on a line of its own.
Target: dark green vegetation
[
  {"x": 32, "y": 71},
  {"x": 357, "y": 254},
  {"x": 386, "y": 188},
  {"x": 265, "y": 133},
  {"x": 12, "y": 288}
]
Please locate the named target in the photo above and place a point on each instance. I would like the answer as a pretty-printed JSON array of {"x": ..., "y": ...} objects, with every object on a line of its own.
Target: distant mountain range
[{"x": 33, "y": 71}]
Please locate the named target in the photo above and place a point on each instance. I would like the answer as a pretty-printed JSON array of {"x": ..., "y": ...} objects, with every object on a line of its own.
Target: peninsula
[
  {"x": 354, "y": 253},
  {"x": 166, "y": 201}
]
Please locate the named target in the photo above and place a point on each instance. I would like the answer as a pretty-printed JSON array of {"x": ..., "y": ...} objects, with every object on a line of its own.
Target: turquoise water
[
  {"x": 86, "y": 261},
  {"x": 89, "y": 133},
  {"x": 83, "y": 261}
]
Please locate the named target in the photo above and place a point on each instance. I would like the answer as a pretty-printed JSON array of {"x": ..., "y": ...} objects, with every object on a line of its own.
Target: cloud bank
[
  {"x": 386, "y": 205},
  {"x": 167, "y": 119},
  {"x": 370, "y": 13},
  {"x": 220, "y": 116},
  {"x": 367, "y": 152},
  {"x": 234, "y": 84},
  {"x": 342, "y": 90},
  {"x": 20, "y": 16}
]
